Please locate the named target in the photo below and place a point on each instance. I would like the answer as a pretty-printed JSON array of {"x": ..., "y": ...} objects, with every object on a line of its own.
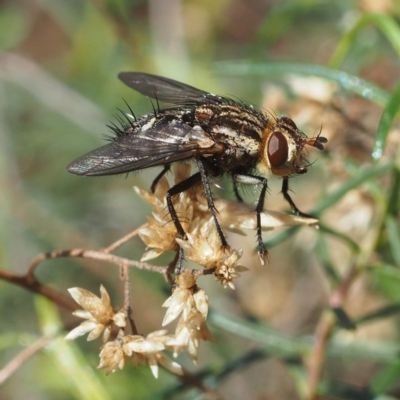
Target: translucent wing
[
  {"x": 165, "y": 144},
  {"x": 165, "y": 89}
]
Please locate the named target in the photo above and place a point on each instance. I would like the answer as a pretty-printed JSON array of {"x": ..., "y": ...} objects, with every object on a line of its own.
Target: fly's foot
[
  {"x": 226, "y": 248},
  {"x": 263, "y": 255}
]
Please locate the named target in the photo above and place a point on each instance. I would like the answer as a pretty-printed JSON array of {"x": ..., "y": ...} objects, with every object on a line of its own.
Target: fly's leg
[
  {"x": 211, "y": 206},
  {"x": 257, "y": 180},
  {"x": 179, "y": 188},
  {"x": 158, "y": 177},
  {"x": 286, "y": 195}
]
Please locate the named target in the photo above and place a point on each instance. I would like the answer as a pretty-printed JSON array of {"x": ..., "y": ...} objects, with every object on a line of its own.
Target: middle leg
[{"x": 257, "y": 180}]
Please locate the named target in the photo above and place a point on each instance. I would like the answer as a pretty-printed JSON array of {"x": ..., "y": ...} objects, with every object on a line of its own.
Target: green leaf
[
  {"x": 385, "y": 123},
  {"x": 385, "y": 23},
  {"x": 284, "y": 346},
  {"x": 362, "y": 177},
  {"x": 386, "y": 378},
  {"x": 393, "y": 230},
  {"x": 384, "y": 312},
  {"x": 348, "y": 240},
  {"x": 68, "y": 358},
  {"x": 351, "y": 83}
]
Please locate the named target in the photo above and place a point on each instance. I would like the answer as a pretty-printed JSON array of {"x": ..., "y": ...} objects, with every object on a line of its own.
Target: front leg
[
  {"x": 158, "y": 177},
  {"x": 210, "y": 201},
  {"x": 257, "y": 180},
  {"x": 179, "y": 188},
  {"x": 285, "y": 192}
]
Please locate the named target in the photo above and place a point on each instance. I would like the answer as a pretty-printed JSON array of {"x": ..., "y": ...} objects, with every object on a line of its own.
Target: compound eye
[{"x": 278, "y": 150}]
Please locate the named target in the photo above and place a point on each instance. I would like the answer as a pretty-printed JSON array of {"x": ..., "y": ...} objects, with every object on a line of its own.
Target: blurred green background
[{"x": 329, "y": 64}]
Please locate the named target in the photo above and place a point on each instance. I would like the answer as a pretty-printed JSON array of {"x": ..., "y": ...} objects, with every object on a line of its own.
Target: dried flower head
[
  {"x": 202, "y": 244},
  {"x": 150, "y": 349},
  {"x": 188, "y": 333},
  {"x": 229, "y": 269},
  {"x": 184, "y": 299},
  {"x": 97, "y": 312},
  {"x": 190, "y": 303},
  {"x": 112, "y": 356},
  {"x": 160, "y": 235}
]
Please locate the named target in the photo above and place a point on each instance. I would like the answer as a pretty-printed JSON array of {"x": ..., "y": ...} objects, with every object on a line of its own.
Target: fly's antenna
[{"x": 318, "y": 141}]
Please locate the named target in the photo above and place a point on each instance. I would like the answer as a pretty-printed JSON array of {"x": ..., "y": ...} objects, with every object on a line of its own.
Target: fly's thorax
[
  {"x": 281, "y": 149},
  {"x": 236, "y": 129},
  {"x": 243, "y": 119}
]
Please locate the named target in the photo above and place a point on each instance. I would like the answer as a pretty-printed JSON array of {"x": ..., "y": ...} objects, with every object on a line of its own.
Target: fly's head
[{"x": 283, "y": 148}]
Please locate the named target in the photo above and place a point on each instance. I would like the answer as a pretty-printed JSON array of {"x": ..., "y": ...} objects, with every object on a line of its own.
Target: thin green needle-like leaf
[
  {"x": 82, "y": 383},
  {"x": 284, "y": 346},
  {"x": 323, "y": 254},
  {"x": 351, "y": 83},
  {"x": 385, "y": 23},
  {"x": 387, "y": 378},
  {"x": 351, "y": 184},
  {"x": 386, "y": 121},
  {"x": 352, "y": 244},
  {"x": 393, "y": 231},
  {"x": 384, "y": 312},
  {"x": 276, "y": 342}
]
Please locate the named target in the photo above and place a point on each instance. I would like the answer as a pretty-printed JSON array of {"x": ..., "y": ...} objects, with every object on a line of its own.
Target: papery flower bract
[
  {"x": 203, "y": 245},
  {"x": 160, "y": 234},
  {"x": 159, "y": 237},
  {"x": 184, "y": 299},
  {"x": 98, "y": 313},
  {"x": 180, "y": 301},
  {"x": 228, "y": 269},
  {"x": 112, "y": 356},
  {"x": 150, "y": 348},
  {"x": 188, "y": 334},
  {"x": 237, "y": 216},
  {"x": 201, "y": 301}
]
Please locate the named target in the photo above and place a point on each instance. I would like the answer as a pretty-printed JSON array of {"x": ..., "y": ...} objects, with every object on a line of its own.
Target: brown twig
[
  {"x": 199, "y": 272},
  {"x": 31, "y": 283},
  {"x": 193, "y": 381},
  {"x": 23, "y": 356},
  {"x": 124, "y": 239},
  {"x": 127, "y": 298},
  {"x": 95, "y": 255},
  {"x": 324, "y": 330}
]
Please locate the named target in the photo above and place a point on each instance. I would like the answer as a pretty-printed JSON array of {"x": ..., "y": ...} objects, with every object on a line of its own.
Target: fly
[{"x": 221, "y": 135}]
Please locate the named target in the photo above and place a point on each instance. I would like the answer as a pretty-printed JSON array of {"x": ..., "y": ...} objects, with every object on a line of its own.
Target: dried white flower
[
  {"x": 229, "y": 269},
  {"x": 98, "y": 313},
  {"x": 203, "y": 245},
  {"x": 112, "y": 356},
  {"x": 149, "y": 349},
  {"x": 188, "y": 334},
  {"x": 184, "y": 299}
]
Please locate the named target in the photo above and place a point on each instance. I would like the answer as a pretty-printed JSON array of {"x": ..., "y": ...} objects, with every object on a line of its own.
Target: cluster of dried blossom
[{"x": 188, "y": 302}]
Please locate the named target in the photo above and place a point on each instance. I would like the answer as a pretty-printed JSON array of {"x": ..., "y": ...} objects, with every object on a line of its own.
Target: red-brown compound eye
[{"x": 278, "y": 150}]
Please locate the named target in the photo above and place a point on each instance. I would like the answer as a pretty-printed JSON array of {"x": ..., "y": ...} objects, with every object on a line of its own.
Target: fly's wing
[
  {"x": 154, "y": 146},
  {"x": 165, "y": 89}
]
